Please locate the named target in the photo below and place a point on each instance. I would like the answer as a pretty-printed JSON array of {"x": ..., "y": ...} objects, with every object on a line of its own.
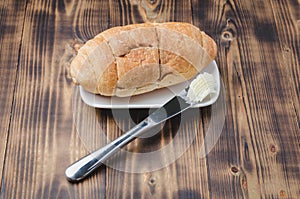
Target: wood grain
[
  {"x": 11, "y": 27},
  {"x": 254, "y": 129},
  {"x": 45, "y": 126},
  {"x": 43, "y": 140}
]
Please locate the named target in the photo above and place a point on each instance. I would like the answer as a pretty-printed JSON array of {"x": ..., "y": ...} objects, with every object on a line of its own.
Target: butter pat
[{"x": 201, "y": 87}]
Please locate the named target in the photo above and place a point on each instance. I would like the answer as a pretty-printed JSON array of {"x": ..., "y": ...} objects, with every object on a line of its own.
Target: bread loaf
[{"x": 134, "y": 59}]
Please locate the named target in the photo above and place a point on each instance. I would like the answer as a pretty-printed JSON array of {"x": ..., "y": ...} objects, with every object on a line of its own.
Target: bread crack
[{"x": 159, "y": 58}]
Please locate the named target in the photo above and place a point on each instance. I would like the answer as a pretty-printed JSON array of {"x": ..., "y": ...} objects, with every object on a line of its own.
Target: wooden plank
[
  {"x": 43, "y": 139},
  {"x": 256, "y": 155},
  {"x": 251, "y": 159},
  {"x": 224, "y": 156},
  {"x": 11, "y": 26},
  {"x": 276, "y": 133}
]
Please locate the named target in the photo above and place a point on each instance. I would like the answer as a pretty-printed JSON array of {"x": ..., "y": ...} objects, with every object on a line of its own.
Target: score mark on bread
[{"x": 135, "y": 59}]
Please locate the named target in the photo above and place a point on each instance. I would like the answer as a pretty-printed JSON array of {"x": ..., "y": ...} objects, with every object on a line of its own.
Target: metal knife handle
[{"x": 86, "y": 165}]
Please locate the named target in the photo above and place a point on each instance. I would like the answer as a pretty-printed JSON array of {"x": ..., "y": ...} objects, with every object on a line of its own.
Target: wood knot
[
  {"x": 227, "y": 35},
  {"x": 234, "y": 170},
  {"x": 152, "y": 181},
  {"x": 272, "y": 148},
  {"x": 244, "y": 183},
  {"x": 287, "y": 49},
  {"x": 282, "y": 194}
]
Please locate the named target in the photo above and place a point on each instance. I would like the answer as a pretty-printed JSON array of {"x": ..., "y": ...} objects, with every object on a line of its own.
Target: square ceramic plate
[{"x": 153, "y": 99}]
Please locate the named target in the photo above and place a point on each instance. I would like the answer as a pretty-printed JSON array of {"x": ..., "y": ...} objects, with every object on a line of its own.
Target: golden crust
[
  {"x": 134, "y": 57},
  {"x": 209, "y": 45},
  {"x": 185, "y": 28},
  {"x": 171, "y": 62},
  {"x": 138, "y": 68},
  {"x": 108, "y": 80}
]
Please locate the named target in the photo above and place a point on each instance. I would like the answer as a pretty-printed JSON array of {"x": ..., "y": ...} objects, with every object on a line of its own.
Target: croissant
[{"x": 139, "y": 58}]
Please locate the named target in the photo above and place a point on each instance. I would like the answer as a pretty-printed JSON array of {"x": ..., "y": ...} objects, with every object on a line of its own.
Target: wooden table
[{"x": 256, "y": 156}]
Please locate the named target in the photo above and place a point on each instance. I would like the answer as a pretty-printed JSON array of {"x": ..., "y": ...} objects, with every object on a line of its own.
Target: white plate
[{"x": 154, "y": 99}]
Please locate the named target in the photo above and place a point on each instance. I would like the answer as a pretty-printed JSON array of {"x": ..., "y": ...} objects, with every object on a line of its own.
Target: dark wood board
[
  {"x": 44, "y": 122},
  {"x": 11, "y": 27}
]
